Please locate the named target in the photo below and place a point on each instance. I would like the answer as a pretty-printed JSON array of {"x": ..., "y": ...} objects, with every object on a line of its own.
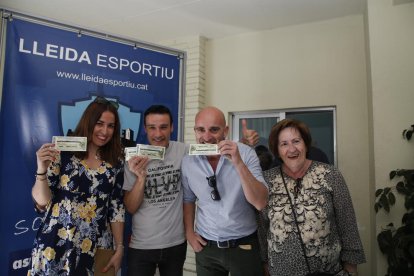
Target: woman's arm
[
  {"x": 116, "y": 260},
  {"x": 352, "y": 250},
  {"x": 350, "y": 268},
  {"x": 41, "y": 192},
  {"x": 116, "y": 216}
]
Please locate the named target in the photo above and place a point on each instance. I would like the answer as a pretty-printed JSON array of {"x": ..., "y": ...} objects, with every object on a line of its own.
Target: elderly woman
[{"x": 309, "y": 222}]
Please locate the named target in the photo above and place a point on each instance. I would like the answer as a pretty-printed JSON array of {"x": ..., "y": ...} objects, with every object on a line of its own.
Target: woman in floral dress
[
  {"x": 318, "y": 218},
  {"x": 80, "y": 194}
]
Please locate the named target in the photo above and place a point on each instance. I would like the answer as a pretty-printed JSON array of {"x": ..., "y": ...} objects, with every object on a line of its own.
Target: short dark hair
[
  {"x": 261, "y": 149},
  {"x": 265, "y": 157},
  {"x": 286, "y": 123},
  {"x": 157, "y": 109}
]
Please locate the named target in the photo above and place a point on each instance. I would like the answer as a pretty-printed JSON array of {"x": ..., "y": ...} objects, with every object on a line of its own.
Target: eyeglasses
[
  {"x": 212, "y": 182},
  {"x": 298, "y": 186},
  {"x": 102, "y": 100}
]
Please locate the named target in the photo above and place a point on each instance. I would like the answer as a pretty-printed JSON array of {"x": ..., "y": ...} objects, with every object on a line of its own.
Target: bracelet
[
  {"x": 41, "y": 173},
  {"x": 119, "y": 245},
  {"x": 40, "y": 179}
]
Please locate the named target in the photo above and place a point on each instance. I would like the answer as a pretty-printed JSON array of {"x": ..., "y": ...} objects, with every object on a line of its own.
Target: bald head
[
  {"x": 211, "y": 112},
  {"x": 210, "y": 125}
]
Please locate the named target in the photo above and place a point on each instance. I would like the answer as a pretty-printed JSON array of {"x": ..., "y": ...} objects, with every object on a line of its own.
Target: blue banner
[{"x": 50, "y": 76}]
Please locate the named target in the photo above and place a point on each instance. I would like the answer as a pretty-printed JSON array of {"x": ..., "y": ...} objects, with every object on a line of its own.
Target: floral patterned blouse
[
  {"x": 76, "y": 222},
  {"x": 326, "y": 220}
]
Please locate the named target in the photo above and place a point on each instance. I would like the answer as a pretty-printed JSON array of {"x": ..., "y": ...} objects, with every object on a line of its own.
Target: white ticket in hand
[
  {"x": 130, "y": 152},
  {"x": 70, "y": 143},
  {"x": 203, "y": 149},
  {"x": 152, "y": 152}
]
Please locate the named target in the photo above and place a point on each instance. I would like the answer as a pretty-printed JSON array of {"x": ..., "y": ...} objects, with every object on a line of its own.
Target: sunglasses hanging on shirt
[{"x": 212, "y": 182}]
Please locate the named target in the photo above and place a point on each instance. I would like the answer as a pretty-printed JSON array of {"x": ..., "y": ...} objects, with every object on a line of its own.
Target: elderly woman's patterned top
[
  {"x": 325, "y": 217},
  {"x": 76, "y": 222}
]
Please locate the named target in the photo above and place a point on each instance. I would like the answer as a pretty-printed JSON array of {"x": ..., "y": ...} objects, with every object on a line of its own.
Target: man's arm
[
  {"x": 195, "y": 240},
  {"x": 133, "y": 198},
  {"x": 255, "y": 191}
]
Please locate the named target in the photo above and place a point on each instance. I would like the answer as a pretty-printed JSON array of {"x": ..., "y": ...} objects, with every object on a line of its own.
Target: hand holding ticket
[
  {"x": 130, "y": 152},
  {"x": 70, "y": 143},
  {"x": 152, "y": 152},
  {"x": 203, "y": 149}
]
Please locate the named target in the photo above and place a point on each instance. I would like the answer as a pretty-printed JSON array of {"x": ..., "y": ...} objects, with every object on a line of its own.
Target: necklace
[{"x": 97, "y": 156}]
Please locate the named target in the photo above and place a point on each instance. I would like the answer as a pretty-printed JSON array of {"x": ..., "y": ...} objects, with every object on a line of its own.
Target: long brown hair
[{"x": 110, "y": 152}]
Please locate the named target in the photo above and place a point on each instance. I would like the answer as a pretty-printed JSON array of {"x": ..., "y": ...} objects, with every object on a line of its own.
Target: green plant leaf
[
  {"x": 408, "y": 135},
  {"x": 408, "y": 219},
  {"x": 397, "y": 243},
  {"x": 384, "y": 203},
  {"x": 387, "y": 190},
  {"x": 401, "y": 188},
  {"x": 377, "y": 207},
  {"x": 405, "y": 218},
  {"x": 391, "y": 198},
  {"x": 409, "y": 189},
  {"x": 384, "y": 239},
  {"x": 379, "y": 191},
  {"x": 409, "y": 202},
  {"x": 411, "y": 251},
  {"x": 407, "y": 174},
  {"x": 409, "y": 180}
]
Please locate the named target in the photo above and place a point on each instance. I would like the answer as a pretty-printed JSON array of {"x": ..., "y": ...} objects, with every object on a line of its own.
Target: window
[{"x": 321, "y": 122}]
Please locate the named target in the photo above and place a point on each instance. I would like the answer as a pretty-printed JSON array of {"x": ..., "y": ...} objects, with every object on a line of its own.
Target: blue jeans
[{"x": 170, "y": 261}]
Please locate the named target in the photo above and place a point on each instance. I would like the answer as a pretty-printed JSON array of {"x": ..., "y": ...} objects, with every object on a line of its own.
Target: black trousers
[
  {"x": 170, "y": 261},
  {"x": 242, "y": 260}
]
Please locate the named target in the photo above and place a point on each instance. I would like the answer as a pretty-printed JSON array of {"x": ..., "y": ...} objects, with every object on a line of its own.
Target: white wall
[
  {"x": 195, "y": 79},
  {"x": 322, "y": 64},
  {"x": 315, "y": 64},
  {"x": 391, "y": 37}
]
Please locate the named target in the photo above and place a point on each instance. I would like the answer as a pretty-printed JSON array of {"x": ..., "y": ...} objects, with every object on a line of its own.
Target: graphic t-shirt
[{"x": 158, "y": 222}]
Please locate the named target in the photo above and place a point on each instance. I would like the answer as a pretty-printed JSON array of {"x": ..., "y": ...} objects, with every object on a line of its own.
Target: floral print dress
[
  {"x": 326, "y": 222},
  {"x": 77, "y": 220}
]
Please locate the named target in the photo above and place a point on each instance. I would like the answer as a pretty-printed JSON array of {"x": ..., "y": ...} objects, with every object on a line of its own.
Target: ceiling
[{"x": 161, "y": 20}]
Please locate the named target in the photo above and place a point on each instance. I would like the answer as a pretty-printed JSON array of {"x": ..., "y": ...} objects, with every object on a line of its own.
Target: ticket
[
  {"x": 70, "y": 143},
  {"x": 130, "y": 152},
  {"x": 203, "y": 149},
  {"x": 153, "y": 152}
]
